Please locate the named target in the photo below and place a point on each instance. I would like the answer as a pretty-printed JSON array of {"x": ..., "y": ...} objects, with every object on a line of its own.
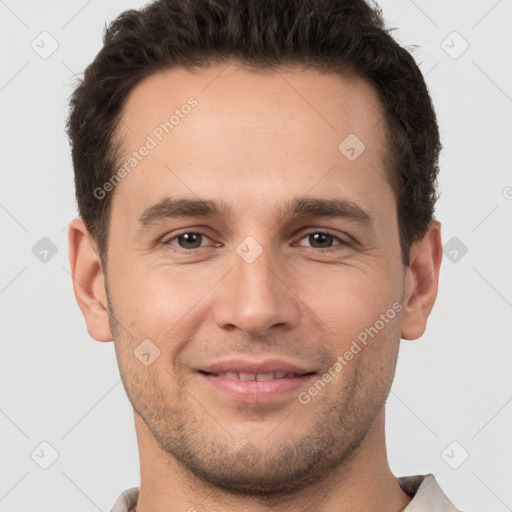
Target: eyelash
[{"x": 343, "y": 242}]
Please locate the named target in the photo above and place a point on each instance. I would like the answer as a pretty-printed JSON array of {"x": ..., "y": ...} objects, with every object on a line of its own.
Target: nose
[{"x": 257, "y": 296}]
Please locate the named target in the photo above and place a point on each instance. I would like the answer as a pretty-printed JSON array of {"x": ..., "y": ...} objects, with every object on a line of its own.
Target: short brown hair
[{"x": 339, "y": 36}]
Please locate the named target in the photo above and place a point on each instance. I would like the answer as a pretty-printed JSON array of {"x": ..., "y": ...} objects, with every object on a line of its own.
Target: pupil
[
  {"x": 191, "y": 238},
  {"x": 320, "y": 237}
]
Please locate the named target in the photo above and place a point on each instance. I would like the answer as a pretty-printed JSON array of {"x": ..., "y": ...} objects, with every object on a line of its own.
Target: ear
[
  {"x": 88, "y": 281},
  {"x": 421, "y": 282}
]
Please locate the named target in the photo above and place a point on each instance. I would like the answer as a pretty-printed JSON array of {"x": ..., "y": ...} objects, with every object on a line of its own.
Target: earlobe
[
  {"x": 421, "y": 282},
  {"x": 88, "y": 280}
]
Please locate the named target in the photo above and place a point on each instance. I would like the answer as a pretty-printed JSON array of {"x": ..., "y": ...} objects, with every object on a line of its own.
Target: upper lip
[{"x": 256, "y": 367}]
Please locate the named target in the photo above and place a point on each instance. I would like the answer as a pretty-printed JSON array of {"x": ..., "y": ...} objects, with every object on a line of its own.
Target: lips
[{"x": 255, "y": 381}]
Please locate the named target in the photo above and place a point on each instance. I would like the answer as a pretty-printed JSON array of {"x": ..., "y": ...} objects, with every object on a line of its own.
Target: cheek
[
  {"x": 348, "y": 299},
  {"x": 155, "y": 301}
]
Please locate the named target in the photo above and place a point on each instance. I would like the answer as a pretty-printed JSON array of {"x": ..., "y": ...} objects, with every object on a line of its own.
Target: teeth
[
  {"x": 256, "y": 376},
  {"x": 264, "y": 376},
  {"x": 247, "y": 376}
]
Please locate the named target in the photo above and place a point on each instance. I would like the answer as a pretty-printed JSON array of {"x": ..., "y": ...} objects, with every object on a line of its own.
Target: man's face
[{"x": 261, "y": 289}]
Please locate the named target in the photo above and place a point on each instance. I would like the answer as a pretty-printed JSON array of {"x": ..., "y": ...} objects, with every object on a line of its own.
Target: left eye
[{"x": 320, "y": 239}]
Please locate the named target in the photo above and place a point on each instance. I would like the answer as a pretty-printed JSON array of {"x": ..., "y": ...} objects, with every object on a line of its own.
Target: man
[{"x": 256, "y": 185}]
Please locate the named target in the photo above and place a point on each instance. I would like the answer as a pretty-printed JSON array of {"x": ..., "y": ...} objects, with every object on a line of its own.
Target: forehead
[
  {"x": 229, "y": 131},
  {"x": 270, "y": 100}
]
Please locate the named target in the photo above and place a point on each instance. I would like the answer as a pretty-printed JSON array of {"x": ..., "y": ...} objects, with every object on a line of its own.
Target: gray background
[{"x": 452, "y": 396}]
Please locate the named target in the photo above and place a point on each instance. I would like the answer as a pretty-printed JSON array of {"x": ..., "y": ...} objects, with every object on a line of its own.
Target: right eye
[{"x": 188, "y": 240}]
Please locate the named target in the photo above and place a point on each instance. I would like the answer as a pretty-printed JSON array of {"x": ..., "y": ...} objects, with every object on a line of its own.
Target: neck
[{"x": 363, "y": 483}]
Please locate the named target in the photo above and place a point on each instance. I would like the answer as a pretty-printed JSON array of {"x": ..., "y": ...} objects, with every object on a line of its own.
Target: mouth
[{"x": 257, "y": 386}]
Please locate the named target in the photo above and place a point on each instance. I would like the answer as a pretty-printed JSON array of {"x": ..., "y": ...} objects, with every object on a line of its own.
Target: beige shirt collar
[{"x": 427, "y": 496}]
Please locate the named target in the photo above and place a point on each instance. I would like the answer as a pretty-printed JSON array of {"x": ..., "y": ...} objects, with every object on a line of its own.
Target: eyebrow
[{"x": 170, "y": 207}]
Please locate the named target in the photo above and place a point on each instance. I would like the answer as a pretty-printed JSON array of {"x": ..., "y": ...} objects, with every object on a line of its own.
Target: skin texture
[{"x": 255, "y": 141}]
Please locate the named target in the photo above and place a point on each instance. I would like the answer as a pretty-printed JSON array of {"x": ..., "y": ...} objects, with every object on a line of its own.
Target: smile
[{"x": 250, "y": 388}]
